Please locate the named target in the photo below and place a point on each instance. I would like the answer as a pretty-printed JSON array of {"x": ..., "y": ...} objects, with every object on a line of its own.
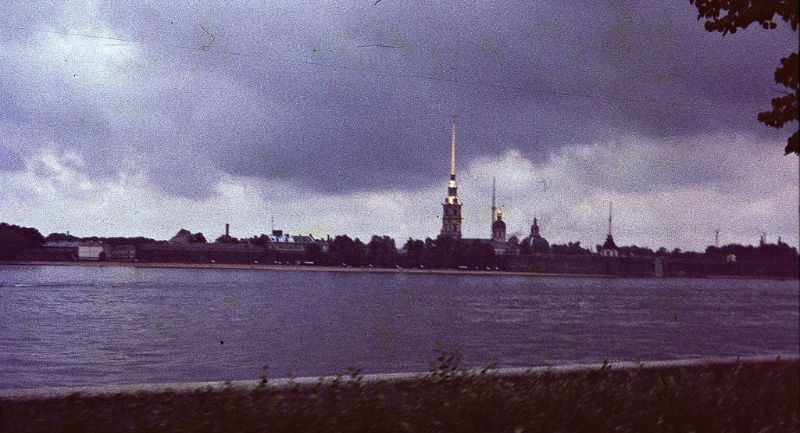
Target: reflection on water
[{"x": 88, "y": 325}]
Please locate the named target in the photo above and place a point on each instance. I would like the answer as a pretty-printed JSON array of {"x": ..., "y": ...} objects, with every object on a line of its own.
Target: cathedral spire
[
  {"x": 609, "y": 248},
  {"x": 453, "y": 151},
  {"x": 494, "y": 207},
  {"x": 451, "y": 210}
]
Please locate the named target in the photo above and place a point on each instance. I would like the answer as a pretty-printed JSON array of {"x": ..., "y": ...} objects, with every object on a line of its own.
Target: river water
[{"x": 76, "y": 325}]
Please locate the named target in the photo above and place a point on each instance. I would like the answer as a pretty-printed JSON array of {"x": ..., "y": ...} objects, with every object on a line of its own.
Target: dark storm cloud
[{"x": 358, "y": 96}]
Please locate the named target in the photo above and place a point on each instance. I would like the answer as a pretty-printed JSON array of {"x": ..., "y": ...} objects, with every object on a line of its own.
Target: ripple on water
[{"x": 82, "y": 326}]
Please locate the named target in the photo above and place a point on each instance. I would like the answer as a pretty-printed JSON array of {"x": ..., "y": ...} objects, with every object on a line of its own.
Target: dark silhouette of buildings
[{"x": 535, "y": 242}]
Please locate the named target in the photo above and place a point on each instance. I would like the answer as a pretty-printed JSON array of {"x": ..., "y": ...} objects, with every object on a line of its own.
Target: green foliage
[
  {"x": 570, "y": 249},
  {"x": 344, "y": 250},
  {"x": 762, "y": 252},
  {"x": 633, "y": 250},
  {"x": 415, "y": 250},
  {"x": 14, "y": 239},
  {"x": 381, "y": 251},
  {"x": 721, "y": 398},
  {"x": 116, "y": 240},
  {"x": 263, "y": 377},
  {"x": 61, "y": 237},
  {"x": 785, "y": 107},
  {"x": 314, "y": 253},
  {"x": 727, "y": 16},
  {"x": 476, "y": 255},
  {"x": 448, "y": 365},
  {"x": 227, "y": 239}
]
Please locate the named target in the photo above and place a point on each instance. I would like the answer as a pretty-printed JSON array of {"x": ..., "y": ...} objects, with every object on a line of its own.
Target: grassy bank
[{"x": 735, "y": 397}]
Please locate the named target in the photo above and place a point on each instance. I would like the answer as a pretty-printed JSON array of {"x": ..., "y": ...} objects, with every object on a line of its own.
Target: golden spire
[{"x": 453, "y": 151}]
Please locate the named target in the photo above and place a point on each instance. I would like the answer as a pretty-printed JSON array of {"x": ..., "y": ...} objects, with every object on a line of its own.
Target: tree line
[{"x": 382, "y": 251}]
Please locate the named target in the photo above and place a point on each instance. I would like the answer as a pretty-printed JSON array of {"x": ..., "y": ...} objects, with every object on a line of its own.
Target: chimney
[{"x": 227, "y": 230}]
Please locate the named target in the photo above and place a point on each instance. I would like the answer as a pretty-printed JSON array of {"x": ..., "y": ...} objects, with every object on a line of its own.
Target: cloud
[
  {"x": 754, "y": 194},
  {"x": 304, "y": 93},
  {"x": 341, "y": 110}
]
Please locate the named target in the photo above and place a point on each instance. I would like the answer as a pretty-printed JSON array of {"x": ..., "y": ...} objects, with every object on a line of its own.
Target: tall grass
[{"x": 716, "y": 398}]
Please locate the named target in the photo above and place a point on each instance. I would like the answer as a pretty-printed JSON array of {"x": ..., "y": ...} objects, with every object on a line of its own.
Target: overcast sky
[{"x": 139, "y": 118}]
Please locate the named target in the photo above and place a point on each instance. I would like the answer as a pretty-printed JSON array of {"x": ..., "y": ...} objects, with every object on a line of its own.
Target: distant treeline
[
  {"x": 382, "y": 251},
  {"x": 14, "y": 239},
  {"x": 138, "y": 240}
]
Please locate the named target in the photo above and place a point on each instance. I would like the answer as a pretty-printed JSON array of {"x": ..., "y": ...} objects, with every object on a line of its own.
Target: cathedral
[{"x": 451, "y": 214}]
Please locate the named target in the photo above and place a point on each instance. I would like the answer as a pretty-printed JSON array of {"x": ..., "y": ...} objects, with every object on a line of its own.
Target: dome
[{"x": 538, "y": 244}]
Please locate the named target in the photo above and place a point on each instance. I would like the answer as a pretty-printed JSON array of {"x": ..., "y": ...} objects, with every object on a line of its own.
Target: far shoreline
[
  {"x": 343, "y": 269},
  {"x": 296, "y": 268}
]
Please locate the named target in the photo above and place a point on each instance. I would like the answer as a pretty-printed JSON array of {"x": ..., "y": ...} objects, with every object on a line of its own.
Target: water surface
[{"x": 65, "y": 325}]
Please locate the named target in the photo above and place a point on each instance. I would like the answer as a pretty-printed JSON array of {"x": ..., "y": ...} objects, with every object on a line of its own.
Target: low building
[
  {"x": 283, "y": 246},
  {"x": 62, "y": 244},
  {"x": 61, "y": 251},
  {"x": 93, "y": 251}
]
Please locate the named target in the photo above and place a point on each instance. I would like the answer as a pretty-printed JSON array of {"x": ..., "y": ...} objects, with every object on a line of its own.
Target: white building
[{"x": 93, "y": 250}]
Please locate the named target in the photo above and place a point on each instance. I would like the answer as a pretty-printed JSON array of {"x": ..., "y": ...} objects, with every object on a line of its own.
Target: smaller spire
[
  {"x": 535, "y": 227},
  {"x": 609, "y": 217},
  {"x": 453, "y": 151},
  {"x": 494, "y": 196}
]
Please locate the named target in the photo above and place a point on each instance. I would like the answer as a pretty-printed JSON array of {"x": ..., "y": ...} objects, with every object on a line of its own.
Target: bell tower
[{"x": 451, "y": 208}]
